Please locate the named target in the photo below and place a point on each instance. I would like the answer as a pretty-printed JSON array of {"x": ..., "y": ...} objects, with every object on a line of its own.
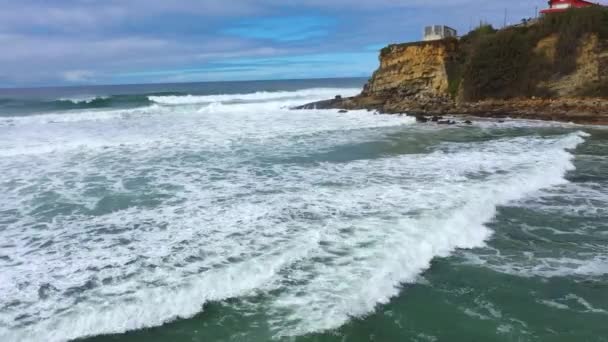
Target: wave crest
[{"x": 262, "y": 96}]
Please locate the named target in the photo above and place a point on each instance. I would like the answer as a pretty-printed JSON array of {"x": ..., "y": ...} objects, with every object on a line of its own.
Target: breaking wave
[
  {"x": 24, "y": 107},
  {"x": 145, "y": 215},
  {"x": 317, "y": 93}
]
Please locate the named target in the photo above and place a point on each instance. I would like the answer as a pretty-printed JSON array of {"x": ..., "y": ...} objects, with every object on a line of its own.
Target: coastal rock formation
[
  {"x": 412, "y": 77},
  {"x": 554, "y": 70},
  {"x": 413, "y": 69},
  {"x": 591, "y": 68}
]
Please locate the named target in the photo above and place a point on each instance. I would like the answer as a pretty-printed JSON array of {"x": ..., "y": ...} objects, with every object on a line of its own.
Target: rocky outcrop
[
  {"x": 413, "y": 77},
  {"x": 519, "y": 72},
  {"x": 592, "y": 111},
  {"x": 415, "y": 69}
]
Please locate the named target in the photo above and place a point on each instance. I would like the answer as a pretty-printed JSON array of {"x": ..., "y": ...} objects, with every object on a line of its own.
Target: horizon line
[{"x": 178, "y": 83}]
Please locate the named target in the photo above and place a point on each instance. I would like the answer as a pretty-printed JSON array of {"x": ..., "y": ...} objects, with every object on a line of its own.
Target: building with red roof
[{"x": 564, "y": 5}]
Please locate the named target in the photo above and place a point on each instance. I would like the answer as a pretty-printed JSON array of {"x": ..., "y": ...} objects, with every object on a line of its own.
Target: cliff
[
  {"x": 412, "y": 77},
  {"x": 590, "y": 72},
  {"x": 556, "y": 69},
  {"x": 415, "y": 68}
]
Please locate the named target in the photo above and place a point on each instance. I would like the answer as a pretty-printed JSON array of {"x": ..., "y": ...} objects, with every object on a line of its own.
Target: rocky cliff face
[
  {"x": 591, "y": 67},
  {"x": 413, "y": 69},
  {"x": 434, "y": 76},
  {"x": 425, "y": 70},
  {"x": 556, "y": 69}
]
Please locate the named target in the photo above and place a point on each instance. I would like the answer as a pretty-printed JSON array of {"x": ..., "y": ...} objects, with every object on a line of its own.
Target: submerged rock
[
  {"x": 446, "y": 122},
  {"x": 421, "y": 118}
]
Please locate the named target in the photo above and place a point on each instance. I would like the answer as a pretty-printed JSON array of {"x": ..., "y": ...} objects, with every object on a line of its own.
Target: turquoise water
[{"x": 226, "y": 216}]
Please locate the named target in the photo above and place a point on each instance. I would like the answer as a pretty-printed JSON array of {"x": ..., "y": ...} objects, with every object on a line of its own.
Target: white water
[
  {"x": 301, "y": 96},
  {"x": 82, "y": 99},
  {"x": 579, "y": 209},
  {"x": 224, "y": 200}
]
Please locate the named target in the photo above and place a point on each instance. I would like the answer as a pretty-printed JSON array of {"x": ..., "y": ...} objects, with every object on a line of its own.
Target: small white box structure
[{"x": 437, "y": 32}]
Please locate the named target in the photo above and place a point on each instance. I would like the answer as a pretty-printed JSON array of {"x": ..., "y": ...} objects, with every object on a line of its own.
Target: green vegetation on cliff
[{"x": 506, "y": 63}]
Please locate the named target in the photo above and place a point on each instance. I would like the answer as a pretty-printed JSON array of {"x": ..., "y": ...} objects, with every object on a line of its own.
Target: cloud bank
[{"x": 69, "y": 42}]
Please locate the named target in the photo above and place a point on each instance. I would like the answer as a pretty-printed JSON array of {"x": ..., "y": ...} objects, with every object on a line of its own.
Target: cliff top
[{"x": 442, "y": 42}]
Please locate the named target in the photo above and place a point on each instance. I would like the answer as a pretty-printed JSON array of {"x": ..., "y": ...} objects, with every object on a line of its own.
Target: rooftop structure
[
  {"x": 437, "y": 32},
  {"x": 556, "y": 6}
]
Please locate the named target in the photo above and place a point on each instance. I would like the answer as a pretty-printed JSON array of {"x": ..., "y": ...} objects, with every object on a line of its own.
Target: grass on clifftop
[
  {"x": 392, "y": 47},
  {"x": 502, "y": 64}
]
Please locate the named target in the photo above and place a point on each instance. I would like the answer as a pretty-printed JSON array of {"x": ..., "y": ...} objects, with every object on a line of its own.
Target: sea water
[{"x": 215, "y": 212}]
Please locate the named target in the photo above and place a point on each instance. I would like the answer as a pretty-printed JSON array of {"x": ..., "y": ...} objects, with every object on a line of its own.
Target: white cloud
[
  {"x": 43, "y": 39},
  {"x": 79, "y": 76}
]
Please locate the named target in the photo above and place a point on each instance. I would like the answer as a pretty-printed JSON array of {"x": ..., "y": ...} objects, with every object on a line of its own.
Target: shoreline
[{"x": 586, "y": 111}]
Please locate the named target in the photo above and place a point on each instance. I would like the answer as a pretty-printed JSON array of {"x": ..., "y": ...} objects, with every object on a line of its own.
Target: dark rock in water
[
  {"x": 446, "y": 122},
  {"x": 421, "y": 118},
  {"x": 338, "y": 97},
  {"x": 436, "y": 118},
  {"x": 342, "y": 111},
  {"x": 468, "y": 122},
  {"x": 501, "y": 121},
  {"x": 327, "y": 104}
]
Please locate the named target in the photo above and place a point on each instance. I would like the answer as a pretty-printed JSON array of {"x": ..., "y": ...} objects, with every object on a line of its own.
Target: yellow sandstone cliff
[
  {"x": 426, "y": 69},
  {"x": 411, "y": 69}
]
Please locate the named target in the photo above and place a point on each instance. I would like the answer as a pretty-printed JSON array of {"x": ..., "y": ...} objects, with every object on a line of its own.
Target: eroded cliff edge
[{"x": 556, "y": 69}]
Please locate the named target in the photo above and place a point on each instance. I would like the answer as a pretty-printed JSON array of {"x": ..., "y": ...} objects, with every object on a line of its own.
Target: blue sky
[{"x": 73, "y": 42}]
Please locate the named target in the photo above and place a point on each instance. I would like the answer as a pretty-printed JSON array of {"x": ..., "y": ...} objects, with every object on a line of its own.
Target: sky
[{"x": 86, "y": 42}]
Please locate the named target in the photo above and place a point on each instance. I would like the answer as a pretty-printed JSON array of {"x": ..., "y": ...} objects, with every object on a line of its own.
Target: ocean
[{"x": 214, "y": 212}]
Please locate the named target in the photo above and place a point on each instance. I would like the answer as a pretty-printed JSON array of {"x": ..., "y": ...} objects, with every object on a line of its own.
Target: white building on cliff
[{"x": 437, "y": 32}]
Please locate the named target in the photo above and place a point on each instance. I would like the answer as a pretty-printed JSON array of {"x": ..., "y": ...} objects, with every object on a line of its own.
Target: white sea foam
[
  {"x": 569, "y": 212},
  {"x": 83, "y": 99},
  {"x": 318, "y": 93},
  {"x": 100, "y": 129},
  {"x": 544, "y": 266},
  {"x": 588, "y": 199},
  {"x": 10, "y": 122},
  {"x": 134, "y": 221},
  {"x": 451, "y": 213},
  {"x": 573, "y": 302}
]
